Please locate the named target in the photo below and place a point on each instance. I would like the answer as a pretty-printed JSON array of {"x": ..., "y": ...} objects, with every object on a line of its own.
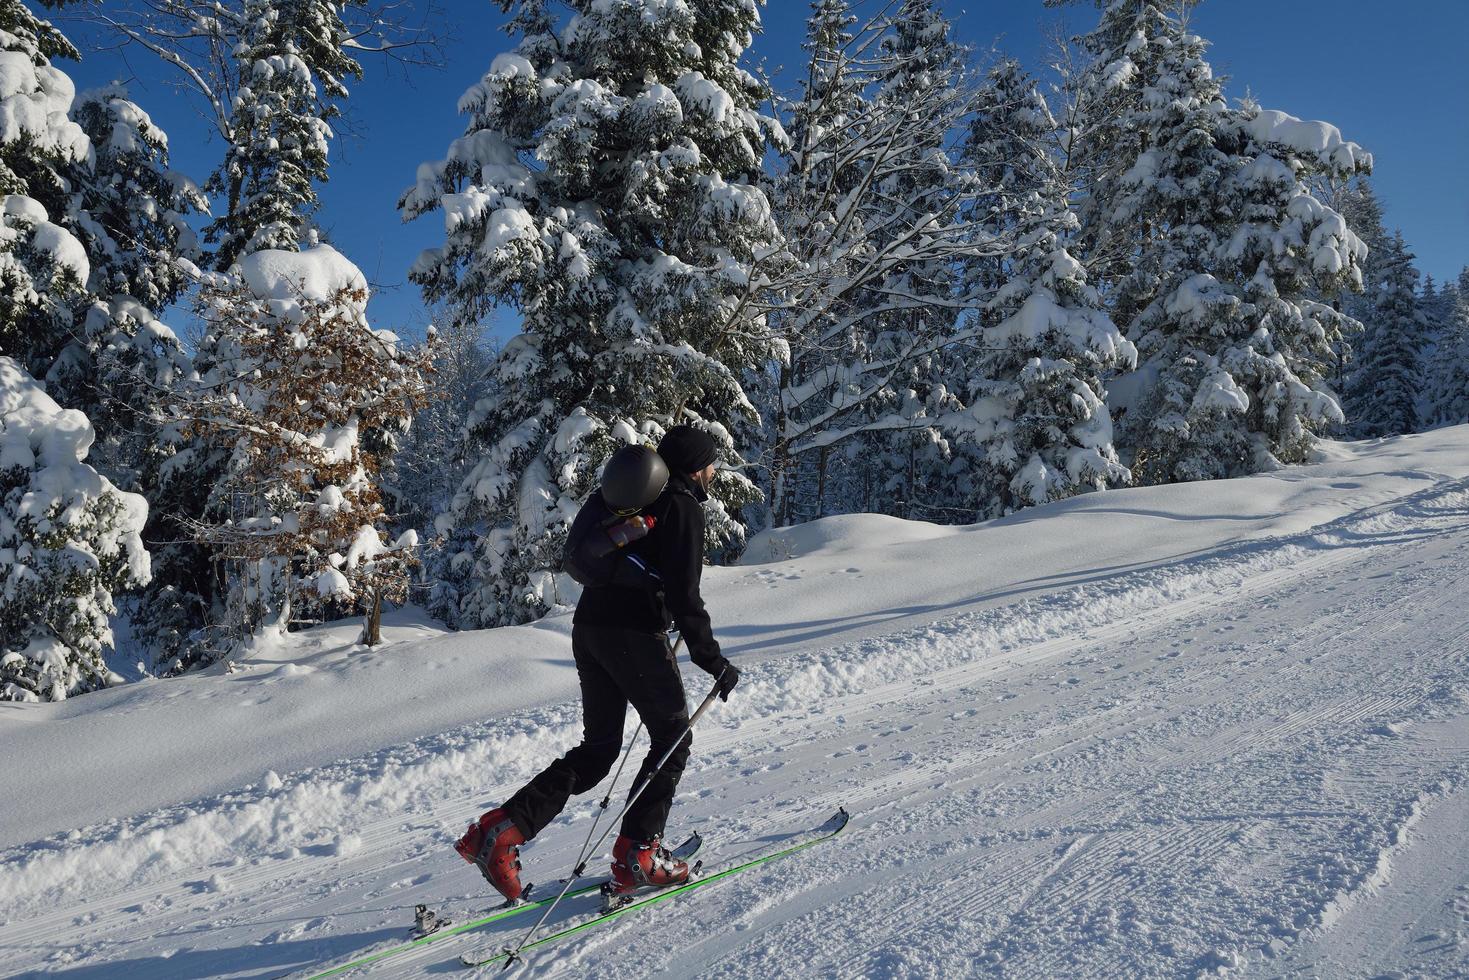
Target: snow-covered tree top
[
  {"x": 283, "y": 279},
  {"x": 129, "y": 124},
  {"x": 33, "y": 427},
  {"x": 1319, "y": 141}
]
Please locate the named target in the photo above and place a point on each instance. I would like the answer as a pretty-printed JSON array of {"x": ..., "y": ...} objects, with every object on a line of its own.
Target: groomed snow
[{"x": 1165, "y": 731}]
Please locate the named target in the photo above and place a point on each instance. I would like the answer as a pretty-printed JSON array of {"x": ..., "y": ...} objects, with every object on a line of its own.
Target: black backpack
[
  {"x": 632, "y": 479},
  {"x": 594, "y": 560}
]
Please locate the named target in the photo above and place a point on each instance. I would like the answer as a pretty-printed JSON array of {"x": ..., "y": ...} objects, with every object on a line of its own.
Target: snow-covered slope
[{"x": 1156, "y": 731}]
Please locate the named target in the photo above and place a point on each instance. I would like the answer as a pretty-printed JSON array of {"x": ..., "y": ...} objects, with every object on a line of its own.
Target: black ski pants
[{"x": 615, "y": 666}]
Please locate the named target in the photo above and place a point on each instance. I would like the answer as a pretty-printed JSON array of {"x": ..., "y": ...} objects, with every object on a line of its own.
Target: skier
[{"x": 619, "y": 640}]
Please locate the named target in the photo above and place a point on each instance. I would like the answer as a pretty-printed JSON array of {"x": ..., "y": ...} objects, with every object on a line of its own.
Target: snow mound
[{"x": 835, "y": 535}]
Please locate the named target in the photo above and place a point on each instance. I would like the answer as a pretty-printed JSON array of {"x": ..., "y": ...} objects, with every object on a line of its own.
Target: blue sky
[{"x": 1392, "y": 75}]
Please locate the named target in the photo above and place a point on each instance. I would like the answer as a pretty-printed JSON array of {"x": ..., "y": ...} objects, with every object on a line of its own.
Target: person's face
[{"x": 704, "y": 477}]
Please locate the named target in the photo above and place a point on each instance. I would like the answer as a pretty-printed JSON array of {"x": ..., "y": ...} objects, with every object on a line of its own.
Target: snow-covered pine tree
[
  {"x": 292, "y": 69},
  {"x": 1151, "y": 223},
  {"x": 1358, "y": 204},
  {"x": 827, "y": 170},
  {"x": 124, "y": 364},
  {"x": 431, "y": 464},
  {"x": 1429, "y": 300},
  {"x": 1210, "y": 242},
  {"x": 1287, "y": 248},
  {"x": 1436, "y": 320},
  {"x": 1383, "y": 387},
  {"x": 136, "y": 206},
  {"x": 43, "y": 267},
  {"x": 920, "y": 297},
  {"x": 1449, "y": 404},
  {"x": 628, "y": 246},
  {"x": 298, "y": 382},
  {"x": 97, "y": 166},
  {"x": 93, "y": 228},
  {"x": 1036, "y": 403},
  {"x": 69, "y": 539},
  {"x": 132, "y": 218}
]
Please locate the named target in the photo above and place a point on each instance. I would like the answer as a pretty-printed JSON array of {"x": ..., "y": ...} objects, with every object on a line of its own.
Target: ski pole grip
[{"x": 708, "y": 698}]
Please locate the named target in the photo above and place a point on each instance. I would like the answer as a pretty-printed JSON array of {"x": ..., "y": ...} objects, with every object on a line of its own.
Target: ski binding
[{"x": 426, "y": 922}]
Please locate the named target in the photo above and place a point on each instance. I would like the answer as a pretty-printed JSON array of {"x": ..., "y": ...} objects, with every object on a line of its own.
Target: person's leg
[
  {"x": 603, "y": 710},
  {"x": 644, "y": 668}
]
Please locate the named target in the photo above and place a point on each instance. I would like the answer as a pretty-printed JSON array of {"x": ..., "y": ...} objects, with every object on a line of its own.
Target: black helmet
[{"x": 633, "y": 478}]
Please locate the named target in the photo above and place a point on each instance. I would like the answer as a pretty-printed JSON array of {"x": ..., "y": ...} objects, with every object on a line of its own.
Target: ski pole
[
  {"x": 582, "y": 855},
  {"x": 514, "y": 954}
]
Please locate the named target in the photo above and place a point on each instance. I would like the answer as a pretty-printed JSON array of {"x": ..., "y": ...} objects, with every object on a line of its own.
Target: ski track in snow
[{"x": 1248, "y": 762}]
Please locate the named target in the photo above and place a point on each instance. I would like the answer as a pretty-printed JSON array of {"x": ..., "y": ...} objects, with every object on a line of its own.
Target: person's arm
[{"x": 681, "y": 562}]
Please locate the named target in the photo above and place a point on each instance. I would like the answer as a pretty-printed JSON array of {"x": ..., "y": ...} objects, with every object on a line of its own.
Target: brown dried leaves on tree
[{"x": 302, "y": 488}]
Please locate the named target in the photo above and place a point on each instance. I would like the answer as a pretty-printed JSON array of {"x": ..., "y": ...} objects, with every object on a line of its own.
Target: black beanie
[{"x": 686, "y": 449}]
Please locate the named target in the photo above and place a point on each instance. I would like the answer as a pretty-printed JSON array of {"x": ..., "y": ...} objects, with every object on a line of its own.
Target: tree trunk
[
  {"x": 372, "y": 627},
  {"x": 821, "y": 482},
  {"x": 908, "y": 505},
  {"x": 780, "y": 509}
]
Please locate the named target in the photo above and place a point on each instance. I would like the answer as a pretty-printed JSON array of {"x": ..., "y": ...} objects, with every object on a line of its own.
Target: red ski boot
[
  {"x": 638, "y": 863},
  {"x": 491, "y": 845}
]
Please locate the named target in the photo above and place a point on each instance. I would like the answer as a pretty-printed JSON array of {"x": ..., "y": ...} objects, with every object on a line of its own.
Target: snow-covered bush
[
  {"x": 68, "y": 540},
  {"x": 303, "y": 398}
]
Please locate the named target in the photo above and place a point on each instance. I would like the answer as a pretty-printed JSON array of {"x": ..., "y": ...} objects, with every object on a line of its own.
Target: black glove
[{"x": 725, "y": 679}]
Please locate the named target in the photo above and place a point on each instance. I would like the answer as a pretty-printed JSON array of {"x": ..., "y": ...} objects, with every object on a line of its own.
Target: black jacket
[{"x": 675, "y": 549}]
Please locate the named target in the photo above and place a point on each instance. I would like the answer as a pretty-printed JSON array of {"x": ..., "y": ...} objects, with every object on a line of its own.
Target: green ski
[
  {"x": 826, "y": 832},
  {"x": 446, "y": 932},
  {"x": 686, "y": 849}
]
